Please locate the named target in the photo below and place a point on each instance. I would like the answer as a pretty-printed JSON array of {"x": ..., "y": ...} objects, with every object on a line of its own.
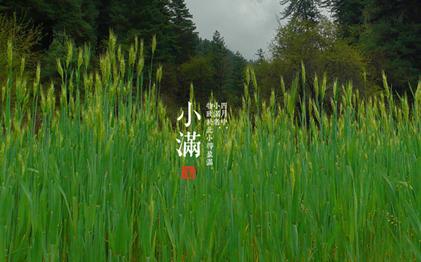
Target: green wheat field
[{"x": 90, "y": 170}]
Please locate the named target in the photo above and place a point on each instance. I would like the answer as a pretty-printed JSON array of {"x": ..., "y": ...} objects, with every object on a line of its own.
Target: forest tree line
[
  {"x": 186, "y": 58},
  {"x": 358, "y": 41}
]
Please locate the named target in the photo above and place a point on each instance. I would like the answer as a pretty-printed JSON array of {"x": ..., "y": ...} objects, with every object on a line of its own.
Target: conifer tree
[
  {"x": 392, "y": 36},
  {"x": 349, "y": 16},
  {"x": 184, "y": 29},
  {"x": 306, "y": 10}
]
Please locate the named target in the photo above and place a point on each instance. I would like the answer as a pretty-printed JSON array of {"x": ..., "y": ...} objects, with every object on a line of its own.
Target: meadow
[{"x": 89, "y": 170}]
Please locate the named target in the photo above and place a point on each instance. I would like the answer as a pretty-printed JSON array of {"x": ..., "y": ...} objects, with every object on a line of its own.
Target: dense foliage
[
  {"x": 365, "y": 38},
  {"x": 388, "y": 33},
  {"x": 179, "y": 47},
  {"x": 319, "y": 48},
  {"x": 20, "y": 36}
]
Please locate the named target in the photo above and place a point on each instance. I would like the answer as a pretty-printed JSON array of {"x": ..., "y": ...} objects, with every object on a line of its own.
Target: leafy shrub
[
  {"x": 23, "y": 37},
  {"x": 317, "y": 46},
  {"x": 198, "y": 70}
]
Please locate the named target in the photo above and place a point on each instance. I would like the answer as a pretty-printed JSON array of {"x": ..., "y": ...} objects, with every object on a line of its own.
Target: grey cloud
[{"x": 246, "y": 25}]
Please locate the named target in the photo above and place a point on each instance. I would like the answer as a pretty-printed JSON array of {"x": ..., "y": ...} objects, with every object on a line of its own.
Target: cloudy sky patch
[{"x": 246, "y": 25}]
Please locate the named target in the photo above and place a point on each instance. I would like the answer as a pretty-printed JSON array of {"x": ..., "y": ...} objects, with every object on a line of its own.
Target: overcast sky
[{"x": 246, "y": 25}]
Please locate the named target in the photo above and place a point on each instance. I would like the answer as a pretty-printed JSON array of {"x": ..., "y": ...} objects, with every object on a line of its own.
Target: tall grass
[{"x": 91, "y": 173}]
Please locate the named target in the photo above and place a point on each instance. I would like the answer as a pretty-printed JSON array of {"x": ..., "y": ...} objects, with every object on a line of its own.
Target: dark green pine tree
[
  {"x": 184, "y": 29},
  {"x": 157, "y": 21},
  {"x": 392, "y": 37},
  {"x": 76, "y": 18},
  {"x": 237, "y": 84},
  {"x": 142, "y": 18},
  {"x": 307, "y": 10},
  {"x": 349, "y": 16},
  {"x": 260, "y": 54},
  {"x": 114, "y": 15},
  {"x": 219, "y": 62},
  {"x": 218, "y": 42}
]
